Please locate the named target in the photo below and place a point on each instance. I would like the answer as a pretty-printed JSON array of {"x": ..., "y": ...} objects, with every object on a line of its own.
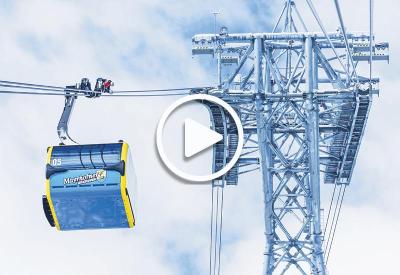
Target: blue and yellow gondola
[{"x": 86, "y": 186}]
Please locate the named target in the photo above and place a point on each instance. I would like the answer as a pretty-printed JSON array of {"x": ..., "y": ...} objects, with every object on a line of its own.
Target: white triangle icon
[{"x": 198, "y": 137}]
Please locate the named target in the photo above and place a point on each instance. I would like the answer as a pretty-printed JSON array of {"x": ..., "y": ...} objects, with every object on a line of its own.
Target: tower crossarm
[{"x": 200, "y": 39}]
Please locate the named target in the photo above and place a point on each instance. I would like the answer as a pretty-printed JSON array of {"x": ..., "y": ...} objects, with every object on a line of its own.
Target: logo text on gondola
[{"x": 99, "y": 175}]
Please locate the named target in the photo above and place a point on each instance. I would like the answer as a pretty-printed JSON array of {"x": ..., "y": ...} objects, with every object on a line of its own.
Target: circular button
[{"x": 160, "y": 146}]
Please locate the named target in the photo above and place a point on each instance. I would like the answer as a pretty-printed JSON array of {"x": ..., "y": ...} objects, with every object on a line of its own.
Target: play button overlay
[{"x": 198, "y": 138}]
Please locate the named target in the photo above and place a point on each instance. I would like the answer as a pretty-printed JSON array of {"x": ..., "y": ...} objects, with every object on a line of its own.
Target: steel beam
[{"x": 313, "y": 141}]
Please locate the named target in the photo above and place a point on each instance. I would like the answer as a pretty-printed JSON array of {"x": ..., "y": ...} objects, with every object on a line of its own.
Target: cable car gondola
[{"x": 86, "y": 185}]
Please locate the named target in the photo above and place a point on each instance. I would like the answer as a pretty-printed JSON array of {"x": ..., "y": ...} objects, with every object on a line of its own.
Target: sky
[{"x": 147, "y": 44}]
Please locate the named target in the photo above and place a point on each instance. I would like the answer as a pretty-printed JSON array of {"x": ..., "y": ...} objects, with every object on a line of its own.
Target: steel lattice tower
[{"x": 304, "y": 108}]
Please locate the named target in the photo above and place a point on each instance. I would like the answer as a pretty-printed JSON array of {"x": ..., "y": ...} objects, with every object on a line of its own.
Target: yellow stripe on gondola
[
  {"x": 125, "y": 198},
  {"x": 48, "y": 195}
]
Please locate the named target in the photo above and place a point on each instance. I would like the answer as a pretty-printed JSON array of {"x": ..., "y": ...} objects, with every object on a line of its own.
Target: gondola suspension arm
[{"x": 62, "y": 127}]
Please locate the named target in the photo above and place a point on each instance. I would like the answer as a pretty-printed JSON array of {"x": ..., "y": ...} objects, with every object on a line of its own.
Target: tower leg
[
  {"x": 264, "y": 134},
  {"x": 313, "y": 141}
]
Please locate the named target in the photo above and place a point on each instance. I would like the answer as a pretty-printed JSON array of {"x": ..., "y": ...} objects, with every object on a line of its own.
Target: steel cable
[
  {"x": 330, "y": 208},
  {"x": 336, "y": 223},
  {"x": 31, "y": 86},
  {"x": 107, "y": 95},
  {"x": 333, "y": 218}
]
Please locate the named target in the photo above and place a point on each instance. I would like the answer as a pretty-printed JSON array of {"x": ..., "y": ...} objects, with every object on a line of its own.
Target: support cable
[
  {"x": 146, "y": 95},
  {"x": 62, "y": 92},
  {"x": 31, "y": 86},
  {"x": 53, "y": 88},
  {"x": 58, "y": 88},
  {"x": 56, "y": 91},
  {"x": 34, "y": 93},
  {"x": 216, "y": 230},
  {"x": 211, "y": 228},
  {"x": 333, "y": 218},
  {"x": 107, "y": 95},
  {"x": 336, "y": 223},
  {"x": 330, "y": 208},
  {"x": 220, "y": 231}
]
